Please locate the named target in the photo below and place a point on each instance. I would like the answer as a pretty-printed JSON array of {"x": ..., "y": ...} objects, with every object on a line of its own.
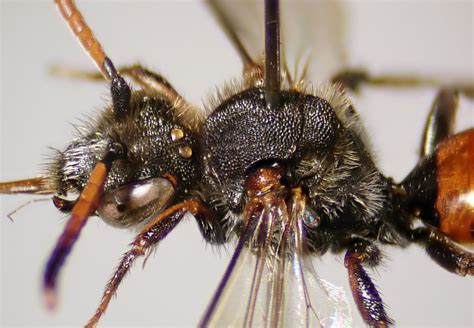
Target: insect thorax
[{"x": 318, "y": 141}]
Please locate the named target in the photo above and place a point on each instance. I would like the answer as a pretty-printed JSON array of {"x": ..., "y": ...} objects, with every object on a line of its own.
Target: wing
[
  {"x": 271, "y": 282},
  {"x": 312, "y": 34}
]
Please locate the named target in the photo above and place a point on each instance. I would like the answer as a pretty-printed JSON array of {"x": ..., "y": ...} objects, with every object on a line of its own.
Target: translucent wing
[
  {"x": 270, "y": 282},
  {"x": 313, "y": 38},
  {"x": 312, "y": 34}
]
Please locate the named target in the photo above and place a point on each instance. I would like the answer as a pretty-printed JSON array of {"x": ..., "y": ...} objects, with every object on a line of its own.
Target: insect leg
[
  {"x": 362, "y": 252},
  {"x": 27, "y": 186},
  {"x": 211, "y": 228},
  {"x": 151, "y": 234},
  {"x": 228, "y": 25},
  {"x": 353, "y": 79},
  {"x": 146, "y": 79},
  {"x": 64, "y": 205},
  {"x": 440, "y": 122},
  {"x": 185, "y": 112},
  {"x": 443, "y": 250},
  {"x": 150, "y": 81}
]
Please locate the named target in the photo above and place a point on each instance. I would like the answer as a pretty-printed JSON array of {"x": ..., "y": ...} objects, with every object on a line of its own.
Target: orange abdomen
[{"x": 455, "y": 183}]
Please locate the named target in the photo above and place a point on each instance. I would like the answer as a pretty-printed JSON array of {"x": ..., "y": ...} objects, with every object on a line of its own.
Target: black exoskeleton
[{"x": 320, "y": 152}]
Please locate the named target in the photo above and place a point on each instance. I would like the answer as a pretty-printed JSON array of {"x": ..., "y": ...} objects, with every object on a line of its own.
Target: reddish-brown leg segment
[
  {"x": 27, "y": 186},
  {"x": 153, "y": 232}
]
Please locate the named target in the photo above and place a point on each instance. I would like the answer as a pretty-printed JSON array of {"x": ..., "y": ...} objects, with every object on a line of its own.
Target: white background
[{"x": 182, "y": 41}]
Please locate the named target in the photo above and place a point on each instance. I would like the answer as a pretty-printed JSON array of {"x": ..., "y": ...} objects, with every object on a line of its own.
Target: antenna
[{"x": 84, "y": 34}]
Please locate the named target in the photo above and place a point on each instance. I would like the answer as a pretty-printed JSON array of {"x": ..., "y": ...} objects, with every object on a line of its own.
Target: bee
[{"x": 90, "y": 267}]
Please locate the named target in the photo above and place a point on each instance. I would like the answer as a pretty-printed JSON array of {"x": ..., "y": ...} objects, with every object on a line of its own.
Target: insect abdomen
[
  {"x": 441, "y": 188},
  {"x": 455, "y": 182}
]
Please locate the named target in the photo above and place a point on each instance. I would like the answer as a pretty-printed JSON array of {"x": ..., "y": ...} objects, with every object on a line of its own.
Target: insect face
[
  {"x": 157, "y": 152},
  {"x": 394, "y": 120}
]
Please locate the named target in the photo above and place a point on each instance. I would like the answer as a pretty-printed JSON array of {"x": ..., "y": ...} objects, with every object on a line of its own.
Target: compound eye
[{"x": 135, "y": 202}]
